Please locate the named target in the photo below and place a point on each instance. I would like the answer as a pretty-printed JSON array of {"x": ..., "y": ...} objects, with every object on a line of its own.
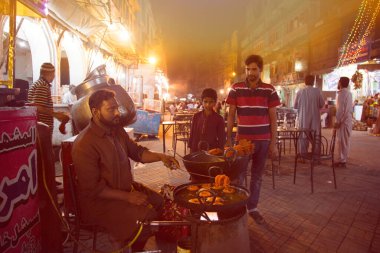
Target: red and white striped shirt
[
  {"x": 40, "y": 95},
  {"x": 252, "y": 107}
]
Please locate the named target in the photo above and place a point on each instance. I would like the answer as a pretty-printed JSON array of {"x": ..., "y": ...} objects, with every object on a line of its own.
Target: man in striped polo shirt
[
  {"x": 39, "y": 95},
  {"x": 255, "y": 104}
]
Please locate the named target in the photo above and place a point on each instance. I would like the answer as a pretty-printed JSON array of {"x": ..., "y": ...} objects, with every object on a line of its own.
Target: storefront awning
[{"x": 369, "y": 66}]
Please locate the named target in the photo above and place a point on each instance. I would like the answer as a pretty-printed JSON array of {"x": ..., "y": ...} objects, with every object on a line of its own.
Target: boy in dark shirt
[{"x": 207, "y": 125}]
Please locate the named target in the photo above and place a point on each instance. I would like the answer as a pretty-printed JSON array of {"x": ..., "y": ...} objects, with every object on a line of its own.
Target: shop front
[{"x": 365, "y": 83}]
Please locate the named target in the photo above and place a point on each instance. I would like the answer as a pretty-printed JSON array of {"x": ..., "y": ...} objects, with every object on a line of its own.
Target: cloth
[
  {"x": 252, "y": 109},
  {"x": 101, "y": 159},
  {"x": 344, "y": 118},
  {"x": 207, "y": 128},
  {"x": 258, "y": 165},
  {"x": 40, "y": 95},
  {"x": 308, "y": 103}
]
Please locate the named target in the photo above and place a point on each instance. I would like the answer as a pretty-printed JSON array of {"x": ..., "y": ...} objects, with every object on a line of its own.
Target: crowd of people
[{"x": 101, "y": 152}]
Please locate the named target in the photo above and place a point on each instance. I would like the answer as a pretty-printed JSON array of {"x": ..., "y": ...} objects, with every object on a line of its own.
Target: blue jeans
[{"x": 258, "y": 164}]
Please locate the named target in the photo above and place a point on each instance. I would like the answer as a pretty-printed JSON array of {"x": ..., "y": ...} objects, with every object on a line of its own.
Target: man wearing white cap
[{"x": 40, "y": 96}]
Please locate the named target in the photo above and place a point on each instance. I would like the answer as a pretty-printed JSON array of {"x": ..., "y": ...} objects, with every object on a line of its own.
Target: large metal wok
[
  {"x": 231, "y": 201},
  {"x": 198, "y": 164}
]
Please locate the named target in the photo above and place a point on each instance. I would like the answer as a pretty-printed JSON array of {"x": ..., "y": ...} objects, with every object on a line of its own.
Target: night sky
[{"x": 195, "y": 28}]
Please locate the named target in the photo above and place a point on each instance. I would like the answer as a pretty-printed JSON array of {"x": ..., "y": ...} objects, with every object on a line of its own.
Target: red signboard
[{"x": 19, "y": 214}]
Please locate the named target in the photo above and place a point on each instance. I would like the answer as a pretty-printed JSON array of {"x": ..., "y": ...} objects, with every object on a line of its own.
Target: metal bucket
[{"x": 224, "y": 236}]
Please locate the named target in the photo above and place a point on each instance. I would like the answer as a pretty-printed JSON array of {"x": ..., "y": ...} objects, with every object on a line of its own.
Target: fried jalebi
[
  {"x": 194, "y": 201},
  {"x": 217, "y": 187},
  {"x": 228, "y": 190},
  {"x": 204, "y": 194},
  {"x": 222, "y": 181},
  {"x": 206, "y": 186},
  {"x": 193, "y": 188},
  {"x": 215, "y": 151},
  {"x": 217, "y": 199}
]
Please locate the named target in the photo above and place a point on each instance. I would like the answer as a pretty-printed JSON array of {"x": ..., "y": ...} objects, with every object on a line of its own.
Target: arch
[{"x": 76, "y": 56}]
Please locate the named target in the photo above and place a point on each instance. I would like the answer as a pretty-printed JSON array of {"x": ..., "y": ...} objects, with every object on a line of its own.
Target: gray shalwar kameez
[
  {"x": 344, "y": 118},
  {"x": 309, "y": 101}
]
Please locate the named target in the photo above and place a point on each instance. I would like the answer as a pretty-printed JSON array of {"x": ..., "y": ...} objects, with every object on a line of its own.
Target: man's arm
[
  {"x": 321, "y": 100},
  {"x": 85, "y": 159},
  {"x": 230, "y": 124},
  {"x": 61, "y": 116},
  {"x": 221, "y": 133},
  {"x": 338, "y": 113},
  {"x": 297, "y": 101},
  {"x": 150, "y": 156},
  {"x": 273, "y": 129},
  {"x": 134, "y": 197}
]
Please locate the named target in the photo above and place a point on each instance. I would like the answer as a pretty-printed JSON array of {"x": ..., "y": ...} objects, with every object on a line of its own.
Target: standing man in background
[
  {"x": 39, "y": 95},
  {"x": 308, "y": 102},
  {"x": 343, "y": 122},
  {"x": 255, "y": 103}
]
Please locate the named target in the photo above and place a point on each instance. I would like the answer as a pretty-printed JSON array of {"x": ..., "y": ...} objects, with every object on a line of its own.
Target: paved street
[{"x": 342, "y": 220}]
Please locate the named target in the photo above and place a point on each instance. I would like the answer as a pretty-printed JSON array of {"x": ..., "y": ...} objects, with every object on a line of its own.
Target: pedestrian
[
  {"x": 207, "y": 125},
  {"x": 343, "y": 124},
  {"x": 255, "y": 104},
  {"x": 308, "y": 103},
  {"x": 39, "y": 95},
  {"x": 69, "y": 96},
  {"x": 108, "y": 195}
]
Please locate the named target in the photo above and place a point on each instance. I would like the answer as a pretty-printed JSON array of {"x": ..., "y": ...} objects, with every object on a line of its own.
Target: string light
[
  {"x": 363, "y": 28},
  {"x": 353, "y": 33},
  {"x": 363, "y": 40}
]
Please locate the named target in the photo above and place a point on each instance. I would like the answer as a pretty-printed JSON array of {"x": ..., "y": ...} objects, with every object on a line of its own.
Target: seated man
[{"x": 108, "y": 196}]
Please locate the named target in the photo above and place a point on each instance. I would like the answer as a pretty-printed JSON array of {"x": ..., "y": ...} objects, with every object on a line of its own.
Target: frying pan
[{"x": 232, "y": 201}]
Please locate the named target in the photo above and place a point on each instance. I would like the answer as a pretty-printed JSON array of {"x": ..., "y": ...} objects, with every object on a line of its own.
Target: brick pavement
[{"x": 342, "y": 220}]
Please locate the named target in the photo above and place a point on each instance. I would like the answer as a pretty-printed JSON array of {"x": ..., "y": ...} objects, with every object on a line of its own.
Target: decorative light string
[
  {"x": 370, "y": 26},
  {"x": 353, "y": 32},
  {"x": 363, "y": 27}
]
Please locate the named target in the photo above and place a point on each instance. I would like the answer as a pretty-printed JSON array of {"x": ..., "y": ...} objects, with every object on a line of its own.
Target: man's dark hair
[
  {"x": 344, "y": 81},
  {"x": 256, "y": 59},
  {"x": 209, "y": 93},
  {"x": 309, "y": 80},
  {"x": 96, "y": 99}
]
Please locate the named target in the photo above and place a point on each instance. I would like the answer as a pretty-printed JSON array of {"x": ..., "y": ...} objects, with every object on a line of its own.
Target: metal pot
[
  {"x": 97, "y": 80},
  {"x": 90, "y": 85},
  {"x": 199, "y": 163},
  {"x": 81, "y": 113}
]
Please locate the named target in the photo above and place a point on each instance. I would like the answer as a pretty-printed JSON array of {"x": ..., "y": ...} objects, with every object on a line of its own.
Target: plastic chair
[
  {"x": 181, "y": 132},
  {"x": 75, "y": 214},
  {"x": 315, "y": 156}
]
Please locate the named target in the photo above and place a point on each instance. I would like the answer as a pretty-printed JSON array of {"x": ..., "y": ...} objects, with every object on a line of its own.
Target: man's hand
[
  {"x": 170, "y": 162},
  {"x": 61, "y": 116},
  {"x": 228, "y": 143},
  {"x": 137, "y": 198},
  {"x": 272, "y": 150}
]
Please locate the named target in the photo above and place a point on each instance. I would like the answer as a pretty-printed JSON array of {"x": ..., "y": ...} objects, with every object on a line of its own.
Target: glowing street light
[
  {"x": 124, "y": 36},
  {"x": 152, "y": 60},
  {"x": 298, "y": 66}
]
